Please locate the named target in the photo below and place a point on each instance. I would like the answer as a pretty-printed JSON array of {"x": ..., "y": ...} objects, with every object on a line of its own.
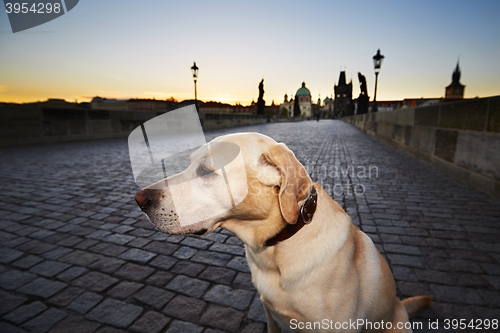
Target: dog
[{"x": 314, "y": 269}]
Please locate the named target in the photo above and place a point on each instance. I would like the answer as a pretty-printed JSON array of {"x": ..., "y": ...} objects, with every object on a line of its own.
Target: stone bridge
[{"x": 77, "y": 255}]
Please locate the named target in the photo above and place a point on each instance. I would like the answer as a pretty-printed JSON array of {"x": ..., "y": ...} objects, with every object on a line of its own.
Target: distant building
[
  {"x": 305, "y": 104},
  {"x": 455, "y": 90},
  {"x": 223, "y": 108},
  {"x": 328, "y": 107},
  {"x": 100, "y": 103},
  {"x": 343, "y": 105},
  {"x": 418, "y": 102},
  {"x": 287, "y": 106}
]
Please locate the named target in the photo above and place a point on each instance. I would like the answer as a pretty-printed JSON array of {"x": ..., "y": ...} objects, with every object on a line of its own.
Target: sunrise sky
[{"x": 144, "y": 49}]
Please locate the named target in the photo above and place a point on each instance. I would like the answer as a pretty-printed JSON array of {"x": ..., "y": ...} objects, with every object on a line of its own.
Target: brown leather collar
[{"x": 305, "y": 217}]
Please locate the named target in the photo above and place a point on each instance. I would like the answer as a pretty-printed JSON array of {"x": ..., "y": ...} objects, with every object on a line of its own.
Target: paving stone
[
  {"x": 160, "y": 278},
  {"x": 7, "y": 328},
  {"x": 232, "y": 239},
  {"x": 405, "y": 260},
  {"x": 49, "y": 268},
  {"x": 151, "y": 322},
  {"x": 402, "y": 249},
  {"x": 141, "y": 232},
  {"x": 35, "y": 246},
  {"x": 80, "y": 258},
  {"x": 491, "y": 297},
  {"x": 198, "y": 243},
  {"x": 137, "y": 255},
  {"x": 185, "y": 308},
  {"x": 153, "y": 296},
  {"x": 163, "y": 262},
  {"x": 8, "y": 255},
  {"x": 404, "y": 273},
  {"x": 70, "y": 241},
  {"x": 116, "y": 313},
  {"x": 72, "y": 273},
  {"x": 216, "y": 237},
  {"x": 122, "y": 229},
  {"x": 10, "y": 302},
  {"x": 42, "y": 287},
  {"x": 158, "y": 236},
  {"x": 218, "y": 275},
  {"x": 107, "y": 265},
  {"x": 211, "y": 258},
  {"x": 124, "y": 289},
  {"x": 223, "y": 318},
  {"x": 254, "y": 328},
  {"x": 45, "y": 321},
  {"x": 240, "y": 264},
  {"x": 493, "y": 280},
  {"x": 187, "y": 268},
  {"x": 178, "y": 326},
  {"x": 85, "y": 302},
  {"x": 224, "y": 295},
  {"x": 257, "y": 311},
  {"x": 94, "y": 281},
  {"x": 27, "y": 262},
  {"x": 108, "y": 249},
  {"x": 227, "y": 248},
  {"x": 87, "y": 243},
  {"x": 185, "y": 252},
  {"x": 188, "y": 286},
  {"x": 457, "y": 294},
  {"x": 161, "y": 247},
  {"x": 243, "y": 281},
  {"x": 74, "y": 324},
  {"x": 139, "y": 242},
  {"x": 56, "y": 253},
  {"x": 65, "y": 297},
  {"x": 119, "y": 239},
  {"x": 41, "y": 234},
  {"x": 25, "y": 312},
  {"x": 134, "y": 272}
]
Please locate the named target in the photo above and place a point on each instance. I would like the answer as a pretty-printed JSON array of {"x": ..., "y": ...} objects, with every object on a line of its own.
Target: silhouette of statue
[
  {"x": 260, "y": 101},
  {"x": 362, "y": 83},
  {"x": 363, "y": 99},
  {"x": 296, "y": 107}
]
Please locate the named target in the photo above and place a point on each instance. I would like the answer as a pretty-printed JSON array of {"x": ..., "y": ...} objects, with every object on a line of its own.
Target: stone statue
[
  {"x": 362, "y": 83},
  {"x": 260, "y": 101},
  {"x": 363, "y": 99}
]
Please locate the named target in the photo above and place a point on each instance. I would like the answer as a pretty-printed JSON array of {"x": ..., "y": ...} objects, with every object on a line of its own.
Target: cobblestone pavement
[{"x": 77, "y": 255}]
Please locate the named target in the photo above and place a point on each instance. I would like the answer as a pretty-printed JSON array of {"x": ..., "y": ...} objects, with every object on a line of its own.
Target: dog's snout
[{"x": 142, "y": 199}]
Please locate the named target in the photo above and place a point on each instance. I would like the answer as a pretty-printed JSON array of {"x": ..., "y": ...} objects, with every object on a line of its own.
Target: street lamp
[
  {"x": 194, "y": 70},
  {"x": 377, "y": 63}
]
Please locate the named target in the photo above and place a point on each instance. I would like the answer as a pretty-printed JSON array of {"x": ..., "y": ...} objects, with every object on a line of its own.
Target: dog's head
[{"x": 270, "y": 184}]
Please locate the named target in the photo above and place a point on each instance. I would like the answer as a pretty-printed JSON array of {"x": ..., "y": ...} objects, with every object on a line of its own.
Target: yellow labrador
[{"x": 315, "y": 270}]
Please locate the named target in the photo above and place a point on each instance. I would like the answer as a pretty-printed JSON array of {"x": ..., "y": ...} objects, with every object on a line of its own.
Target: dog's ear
[{"x": 294, "y": 183}]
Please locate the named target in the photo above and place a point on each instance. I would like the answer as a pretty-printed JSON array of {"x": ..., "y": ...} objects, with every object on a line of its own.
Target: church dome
[{"x": 303, "y": 91}]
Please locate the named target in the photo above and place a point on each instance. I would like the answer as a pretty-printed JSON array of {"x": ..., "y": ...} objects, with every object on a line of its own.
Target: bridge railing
[
  {"x": 25, "y": 125},
  {"x": 461, "y": 139}
]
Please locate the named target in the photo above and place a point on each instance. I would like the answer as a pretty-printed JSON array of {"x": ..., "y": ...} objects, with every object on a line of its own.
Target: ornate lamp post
[
  {"x": 194, "y": 70},
  {"x": 377, "y": 63}
]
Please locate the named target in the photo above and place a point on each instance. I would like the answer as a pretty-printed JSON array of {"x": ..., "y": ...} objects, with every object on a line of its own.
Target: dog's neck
[{"x": 306, "y": 214}]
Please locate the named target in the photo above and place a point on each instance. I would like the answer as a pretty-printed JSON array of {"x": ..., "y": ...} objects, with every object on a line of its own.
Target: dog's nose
[{"x": 142, "y": 199}]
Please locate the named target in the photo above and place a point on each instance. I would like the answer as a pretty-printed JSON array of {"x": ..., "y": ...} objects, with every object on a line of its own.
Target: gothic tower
[
  {"x": 455, "y": 90},
  {"x": 343, "y": 97}
]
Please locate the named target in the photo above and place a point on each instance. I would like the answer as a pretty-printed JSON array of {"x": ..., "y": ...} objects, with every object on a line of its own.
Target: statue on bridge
[
  {"x": 260, "y": 102},
  {"x": 363, "y": 99}
]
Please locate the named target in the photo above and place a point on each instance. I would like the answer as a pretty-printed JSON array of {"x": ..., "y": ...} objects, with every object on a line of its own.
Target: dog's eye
[{"x": 203, "y": 171}]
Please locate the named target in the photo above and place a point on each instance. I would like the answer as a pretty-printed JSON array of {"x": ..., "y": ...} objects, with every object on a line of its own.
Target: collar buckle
[{"x": 306, "y": 214}]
